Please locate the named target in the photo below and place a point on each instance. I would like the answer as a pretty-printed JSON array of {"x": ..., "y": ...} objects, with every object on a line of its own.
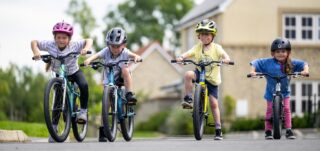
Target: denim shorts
[{"x": 212, "y": 89}]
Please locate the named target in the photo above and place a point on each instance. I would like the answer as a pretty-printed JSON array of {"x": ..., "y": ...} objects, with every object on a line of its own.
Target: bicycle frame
[
  {"x": 204, "y": 86},
  {"x": 67, "y": 87}
]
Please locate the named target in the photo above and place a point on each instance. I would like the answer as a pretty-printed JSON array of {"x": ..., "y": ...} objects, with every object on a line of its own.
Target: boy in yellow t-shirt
[{"x": 206, "y": 49}]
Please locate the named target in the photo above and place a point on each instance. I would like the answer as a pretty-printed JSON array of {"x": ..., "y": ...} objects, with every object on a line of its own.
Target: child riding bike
[
  {"x": 61, "y": 46},
  {"x": 278, "y": 65},
  {"x": 206, "y": 49},
  {"x": 116, "y": 50}
]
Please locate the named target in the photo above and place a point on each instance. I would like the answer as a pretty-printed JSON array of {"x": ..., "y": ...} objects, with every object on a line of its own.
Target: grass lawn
[{"x": 31, "y": 129}]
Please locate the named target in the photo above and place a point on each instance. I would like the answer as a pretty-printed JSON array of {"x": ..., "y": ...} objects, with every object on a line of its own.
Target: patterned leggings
[{"x": 287, "y": 114}]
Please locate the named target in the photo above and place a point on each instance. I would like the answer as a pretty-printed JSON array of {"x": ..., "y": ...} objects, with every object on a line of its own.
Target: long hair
[{"x": 288, "y": 65}]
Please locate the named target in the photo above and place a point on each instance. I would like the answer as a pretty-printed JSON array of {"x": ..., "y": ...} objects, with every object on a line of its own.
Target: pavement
[{"x": 20, "y": 136}]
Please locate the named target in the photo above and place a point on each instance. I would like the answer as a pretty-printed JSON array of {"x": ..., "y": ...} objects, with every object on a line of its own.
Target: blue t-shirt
[{"x": 273, "y": 67}]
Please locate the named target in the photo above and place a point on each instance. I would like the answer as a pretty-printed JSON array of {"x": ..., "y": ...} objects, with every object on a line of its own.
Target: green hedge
[{"x": 31, "y": 129}]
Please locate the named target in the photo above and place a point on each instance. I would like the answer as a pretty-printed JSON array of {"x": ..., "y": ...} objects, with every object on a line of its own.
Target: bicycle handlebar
[
  {"x": 46, "y": 57},
  {"x": 185, "y": 62},
  {"x": 296, "y": 74},
  {"x": 96, "y": 65}
]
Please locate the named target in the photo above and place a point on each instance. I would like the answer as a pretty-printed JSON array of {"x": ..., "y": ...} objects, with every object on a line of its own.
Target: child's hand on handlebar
[
  {"x": 86, "y": 62},
  {"x": 84, "y": 51},
  {"x": 179, "y": 59},
  {"x": 304, "y": 73},
  {"x": 137, "y": 59},
  {"x": 37, "y": 56},
  {"x": 253, "y": 73}
]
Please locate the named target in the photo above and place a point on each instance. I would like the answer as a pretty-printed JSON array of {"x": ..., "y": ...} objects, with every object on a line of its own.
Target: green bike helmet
[{"x": 207, "y": 26}]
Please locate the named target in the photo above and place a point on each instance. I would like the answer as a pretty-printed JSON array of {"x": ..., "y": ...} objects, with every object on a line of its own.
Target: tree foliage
[{"x": 148, "y": 19}]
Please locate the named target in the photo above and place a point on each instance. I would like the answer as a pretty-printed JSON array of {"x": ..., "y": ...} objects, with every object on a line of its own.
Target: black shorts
[{"x": 212, "y": 89}]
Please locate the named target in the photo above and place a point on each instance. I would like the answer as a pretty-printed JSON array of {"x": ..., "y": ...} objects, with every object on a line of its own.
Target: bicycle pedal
[
  {"x": 211, "y": 125},
  {"x": 187, "y": 107}
]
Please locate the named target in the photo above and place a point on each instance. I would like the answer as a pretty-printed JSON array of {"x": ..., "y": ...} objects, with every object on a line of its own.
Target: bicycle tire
[
  {"x": 277, "y": 121},
  {"x": 54, "y": 100},
  {"x": 198, "y": 115},
  {"x": 109, "y": 115},
  {"x": 127, "y": 122},
  {"x": 79, "y": 130}
]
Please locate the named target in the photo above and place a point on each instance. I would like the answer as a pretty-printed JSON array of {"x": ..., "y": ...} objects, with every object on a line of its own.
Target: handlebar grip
[
  {"x": 89, "y": 52},
  {"x": 231, "y": 63},
  {"x": 249, "y": 75},
  {"x": 307, "y": 75},
  {"x": 140, "y": 60},
  {"x": 173, "y": 61},
  {"x": 33, "y": 58},
  {"x": 81, "y": 65}
]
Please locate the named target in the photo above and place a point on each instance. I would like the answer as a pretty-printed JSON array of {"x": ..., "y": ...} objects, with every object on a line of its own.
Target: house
[
  {"x": 151, "y": 79},
  {"x": 246, "y": 29}
]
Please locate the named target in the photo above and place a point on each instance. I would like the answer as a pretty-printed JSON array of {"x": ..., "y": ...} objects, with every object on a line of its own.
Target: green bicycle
[{"x": 62, "y": 104}]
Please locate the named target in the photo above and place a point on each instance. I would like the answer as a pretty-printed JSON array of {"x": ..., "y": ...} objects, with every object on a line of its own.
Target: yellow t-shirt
[{"x": 212, "y": 52}]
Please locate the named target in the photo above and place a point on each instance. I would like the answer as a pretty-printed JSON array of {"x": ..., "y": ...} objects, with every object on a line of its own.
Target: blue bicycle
[
  {"x": 115, "y": 108},
  {"x": 62, "y": 104}
]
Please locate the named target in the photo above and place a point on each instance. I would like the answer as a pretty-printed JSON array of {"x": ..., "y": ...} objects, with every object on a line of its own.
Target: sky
[{"x": 26, "y": 20}]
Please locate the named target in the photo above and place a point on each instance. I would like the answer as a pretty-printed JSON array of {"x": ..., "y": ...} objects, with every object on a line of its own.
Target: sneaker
[
  {"x": 187, "y": 102},
  {"x": 218, "y": 135},
  {"x": 51, "y": 140},
  {"x": 131, "y": 98},
  {"x": 289, "y": 134},
  {"x": 102, "y": 137},
  {"x": 82, "y": 116},
  {"x": 268, "y": 135}
]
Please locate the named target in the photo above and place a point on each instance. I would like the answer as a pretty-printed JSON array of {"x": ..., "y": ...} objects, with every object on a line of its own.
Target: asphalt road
[{"x": 232, "y": 142}]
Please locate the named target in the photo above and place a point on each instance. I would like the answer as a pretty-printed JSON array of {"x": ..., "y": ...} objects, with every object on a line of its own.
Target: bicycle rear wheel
[
  {"x": 57, "y": 119},
  {"x": 109, "y": 115},
  {"x": 79, "y": 130},
  {"x": 198, "y": 115},
  {"x": 127, "y": 121},
  {"x": 277, "y": 119}
]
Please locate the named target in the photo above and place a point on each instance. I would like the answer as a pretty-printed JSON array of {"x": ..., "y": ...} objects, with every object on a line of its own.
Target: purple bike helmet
[{"x": 63, "y": 27}]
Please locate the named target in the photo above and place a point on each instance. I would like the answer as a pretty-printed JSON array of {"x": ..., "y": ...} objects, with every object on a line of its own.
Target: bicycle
[
  {"x": 277, "y": 118},
  {"x": 200, "y": 103},
  {"x": 62, "y": 104},
  {"x": 115, "y": 108}
]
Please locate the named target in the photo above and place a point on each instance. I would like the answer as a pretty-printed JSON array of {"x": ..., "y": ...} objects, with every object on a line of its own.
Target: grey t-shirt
[
  {"x": 71, "y": 62},
  {"x": 106, "y": 55}
]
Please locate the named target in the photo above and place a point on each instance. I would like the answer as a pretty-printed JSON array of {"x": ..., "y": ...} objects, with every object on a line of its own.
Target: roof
[
  {"x": 205, "y": 10},
  {"x": 145, "y": 51}
]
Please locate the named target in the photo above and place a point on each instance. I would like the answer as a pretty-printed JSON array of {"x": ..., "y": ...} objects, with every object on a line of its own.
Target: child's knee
[
  {"x": 189, "y": 75},
  {"x": 125, "y": 72}
]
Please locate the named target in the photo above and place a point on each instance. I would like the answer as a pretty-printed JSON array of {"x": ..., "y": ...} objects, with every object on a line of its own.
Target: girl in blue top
[{"x": 279, "y": 65}]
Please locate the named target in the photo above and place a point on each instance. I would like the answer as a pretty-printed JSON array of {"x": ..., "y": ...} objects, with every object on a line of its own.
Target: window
[
  {"x": 305, "y": 96},
  {"x": 291, "y": 25},
  {"x": 306, "y": 89},
  {"x": 293, "y": 89},
  {"x": 301, "y": 27},
  {"x": 293, "y": 106},
  {"x": 306, "y": 28}
]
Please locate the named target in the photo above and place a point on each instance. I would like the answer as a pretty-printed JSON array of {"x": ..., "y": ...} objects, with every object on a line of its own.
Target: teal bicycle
[
  {"x": 115, "y": 108},
  {"x": 62, "y": 104}
]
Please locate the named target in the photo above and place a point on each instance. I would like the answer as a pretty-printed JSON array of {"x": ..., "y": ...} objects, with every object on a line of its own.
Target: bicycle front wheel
[
  {"x": 109, "y": 115},
  {"x": 277, "y": 119},
  {"x": 57, "y": 117},
  {"x": 79, "y": 129},
  {"x": 127, "y": 121},
  {"x": 198, "y": 114}
]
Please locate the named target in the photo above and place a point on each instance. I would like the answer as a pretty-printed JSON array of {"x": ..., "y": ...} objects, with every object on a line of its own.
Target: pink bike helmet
[{"x": 63, "y": 27}]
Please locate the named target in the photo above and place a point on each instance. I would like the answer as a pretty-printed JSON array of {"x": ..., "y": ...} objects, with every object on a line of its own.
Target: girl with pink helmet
[{"x": 61, "y": 45}]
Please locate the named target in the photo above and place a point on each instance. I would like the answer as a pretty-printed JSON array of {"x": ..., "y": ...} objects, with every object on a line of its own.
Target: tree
[{"x": 148, "y": 20}]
